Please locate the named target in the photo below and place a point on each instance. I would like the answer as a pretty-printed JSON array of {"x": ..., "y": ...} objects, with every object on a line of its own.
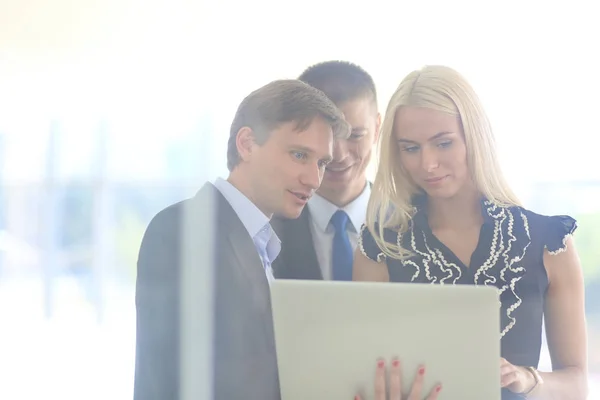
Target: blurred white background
[{"x": 111, "y": 110}]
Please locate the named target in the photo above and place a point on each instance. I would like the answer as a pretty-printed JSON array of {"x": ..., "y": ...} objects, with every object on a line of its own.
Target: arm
[
  {"x": 157, "y": 334},
  {"x": 565, "y": 328},
  {"x": 365, "y": 269}
]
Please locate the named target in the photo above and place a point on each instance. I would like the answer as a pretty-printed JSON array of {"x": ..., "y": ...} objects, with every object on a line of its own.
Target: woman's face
[{"x": 432, "y": 150}]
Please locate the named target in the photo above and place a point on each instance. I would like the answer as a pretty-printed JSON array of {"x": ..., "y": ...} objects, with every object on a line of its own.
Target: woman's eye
[{"x": 411, "y": 149}]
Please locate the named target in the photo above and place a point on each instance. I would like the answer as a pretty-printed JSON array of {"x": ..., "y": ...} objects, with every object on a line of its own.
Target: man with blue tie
[
  {"x": 320, "y": 243},
  {"x": 280, "y": 143}
]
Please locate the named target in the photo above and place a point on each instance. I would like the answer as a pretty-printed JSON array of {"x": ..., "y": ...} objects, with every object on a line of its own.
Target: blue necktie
[{"x": 342, "y": 249}]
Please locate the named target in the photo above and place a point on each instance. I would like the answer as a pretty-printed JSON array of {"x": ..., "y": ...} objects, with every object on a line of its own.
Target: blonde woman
[{"x": 441, "y": 212}]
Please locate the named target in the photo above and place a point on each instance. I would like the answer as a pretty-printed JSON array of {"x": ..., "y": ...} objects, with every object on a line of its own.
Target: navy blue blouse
[{"x": 509, "y": 256}]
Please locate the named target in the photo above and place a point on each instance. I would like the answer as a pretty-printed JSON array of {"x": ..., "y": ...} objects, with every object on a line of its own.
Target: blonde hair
[{"x": 443, "y": 89}]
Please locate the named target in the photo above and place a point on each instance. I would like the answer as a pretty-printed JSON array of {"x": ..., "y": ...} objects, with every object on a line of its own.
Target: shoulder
[
  {"x": 184, "y": 222},
  {"x": 368, "y": 245},
  {"x": 553, "y": 231},
  {"x": 167, "y": 224},
  {"x": 166, "y": 220},
  {"x": 158, "y": 250}
]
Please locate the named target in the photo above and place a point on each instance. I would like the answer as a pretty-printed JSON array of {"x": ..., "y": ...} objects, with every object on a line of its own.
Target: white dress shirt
[
  {"x": 321, "y": 211},
  {"x": 266, "y": 242}
]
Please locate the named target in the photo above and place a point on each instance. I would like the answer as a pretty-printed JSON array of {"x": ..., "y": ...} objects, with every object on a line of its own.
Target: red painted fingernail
[
  {"x": 380, "y": 363},
  {"x": 437, "y": 389},
  {"x": 395, "y": 363},
  {"x": 421, "y": 370}
]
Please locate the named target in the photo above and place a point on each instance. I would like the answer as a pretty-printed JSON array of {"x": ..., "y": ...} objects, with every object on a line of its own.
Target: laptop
[{"x": 329, "y": 336}]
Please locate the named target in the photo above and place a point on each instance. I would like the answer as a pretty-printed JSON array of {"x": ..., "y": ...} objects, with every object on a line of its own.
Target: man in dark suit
[
  {"x": 280, "y": 143},
  {"x": 320, "y": 244}
]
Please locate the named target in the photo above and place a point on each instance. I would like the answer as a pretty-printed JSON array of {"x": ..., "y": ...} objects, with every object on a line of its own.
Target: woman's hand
[
  {"x": 514, "y": 378},
  {"x": 393, "y": 386}
]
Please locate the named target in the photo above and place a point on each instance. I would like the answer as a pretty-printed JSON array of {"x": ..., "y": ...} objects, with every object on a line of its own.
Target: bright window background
[{"x": 110, "y": 111}]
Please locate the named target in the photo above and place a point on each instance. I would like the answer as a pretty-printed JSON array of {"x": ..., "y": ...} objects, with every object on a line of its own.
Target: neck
[
  {"x": 461, "y": 211},
  {"x": 341, "y": 198},
  {"x": 243, "y": 183}
]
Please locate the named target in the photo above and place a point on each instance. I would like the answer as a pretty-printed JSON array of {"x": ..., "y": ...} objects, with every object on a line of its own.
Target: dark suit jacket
[
  {"x": 298, "y": 258},
  {"x": 244, "y": 358}
]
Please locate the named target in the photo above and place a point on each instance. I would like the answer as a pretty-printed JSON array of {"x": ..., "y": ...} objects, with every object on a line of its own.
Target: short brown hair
[
  {"x": 341, "y": 81},
  {"x": 280, "y": 102}
]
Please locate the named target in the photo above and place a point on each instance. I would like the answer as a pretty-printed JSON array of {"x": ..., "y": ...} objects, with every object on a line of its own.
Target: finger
[
  {"x": 417, "y": 386},
  {"x": 380, "y": 380},
  {"x": 360, "y": 395},
  {"x": 395, "y": 380},
  {"x": 507, "y": 374},
  {"x": 508, "y": 379},
  {"x": 435, "y": 391},
  {"x": 506, "y": 369}
]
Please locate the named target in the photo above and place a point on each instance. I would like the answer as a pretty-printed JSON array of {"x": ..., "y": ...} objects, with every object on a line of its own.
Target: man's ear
[
  {"x": 377, "y": 128},
  {"x": 245, "y": 142}
]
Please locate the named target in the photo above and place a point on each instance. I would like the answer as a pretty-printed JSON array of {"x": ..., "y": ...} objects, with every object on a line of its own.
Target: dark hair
[
  {"x": 280, "y": 102},
  {"x": 341, "y": 81}
]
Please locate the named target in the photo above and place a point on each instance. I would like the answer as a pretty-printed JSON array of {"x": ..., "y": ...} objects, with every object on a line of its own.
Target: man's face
[
  {"x": 345, "y": 177},
  {"x": 288, "y": 168}
]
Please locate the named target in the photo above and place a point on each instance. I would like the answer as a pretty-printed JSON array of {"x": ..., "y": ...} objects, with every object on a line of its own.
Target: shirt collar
[
  {"x": 321, "y": 209},
  {"x": 253, "y": 219}
]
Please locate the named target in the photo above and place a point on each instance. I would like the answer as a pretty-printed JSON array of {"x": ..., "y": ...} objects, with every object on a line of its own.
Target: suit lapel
[
  {"x": 232, "y": 232},
  {"x": 249, "y": 264},
  {"x": 300, "y": 256},
  {"x": 246, "y": 265}
]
